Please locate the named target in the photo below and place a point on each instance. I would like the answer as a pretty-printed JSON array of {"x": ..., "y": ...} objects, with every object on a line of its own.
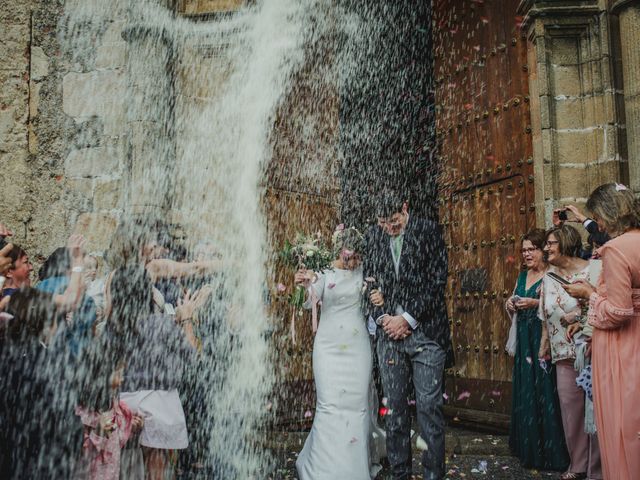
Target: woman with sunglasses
[
  {"x": 536, "y": 435},
  {"x": 558, "y": 310}
]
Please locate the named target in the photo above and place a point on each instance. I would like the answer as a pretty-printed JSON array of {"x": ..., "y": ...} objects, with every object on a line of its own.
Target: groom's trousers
[{"x": 419, "y": 363}]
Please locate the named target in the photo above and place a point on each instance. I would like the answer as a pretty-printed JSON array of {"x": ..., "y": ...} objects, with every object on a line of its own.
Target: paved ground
[{"x": 470, "y": 455}]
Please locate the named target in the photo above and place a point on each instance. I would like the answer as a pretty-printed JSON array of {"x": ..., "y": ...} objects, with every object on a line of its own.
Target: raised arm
[
  {"x": 164, "y": 268},
  {"x": 70, "y": 298},
  {"x": 614, "y": 309}
]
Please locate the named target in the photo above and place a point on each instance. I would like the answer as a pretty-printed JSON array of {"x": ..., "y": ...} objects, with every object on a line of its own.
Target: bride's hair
[{"x": 347, "y": 239}]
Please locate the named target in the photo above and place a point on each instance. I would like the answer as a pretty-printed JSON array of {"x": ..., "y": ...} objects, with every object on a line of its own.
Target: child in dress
[{"x": 106, "y": 432}]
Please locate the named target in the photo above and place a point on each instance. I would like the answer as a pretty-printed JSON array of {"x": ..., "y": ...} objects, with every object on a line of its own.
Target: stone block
[
  {"x": 34, "y": 142},
  {"x": 92, "y": 162},
  {"x": 113, "y": 33},
  {"x": 107, "y": 195},
  {"x": 565, "y": 50},
  {"x": 97, "y": 228},
  {"x": 111, "y": 55},
  {"x": 100, "y": 93},
  {"x": 15, "y": 12},
  {"x": 572, "y": 182},
  {"x": 565, "y": 80},
  {"x": 580, "y": 146},
  {"x": 34, "y": 99},
  {"x": 14, "y": 41},
  {"x": 548, "y": 181},
  {"x": 13, "y": 130},
  {"x": 7, "y": 122},
  {"x": 600, "y": 173},
  {"x": 79, "y": 193},
  {"x": 39, "y": 64},
  {"x": 15, "y": 171},
  {"x": 598, "y": 110},
  {"x": 569, "y": 113}
]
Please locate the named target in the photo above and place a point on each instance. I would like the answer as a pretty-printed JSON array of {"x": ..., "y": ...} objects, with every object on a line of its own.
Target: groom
[{"x": 406, "y": 258}]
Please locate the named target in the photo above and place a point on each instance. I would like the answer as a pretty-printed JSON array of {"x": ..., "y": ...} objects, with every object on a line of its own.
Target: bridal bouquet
[
  {"x": 306, "y": 252},
  {"x": 309, "y": 253}
]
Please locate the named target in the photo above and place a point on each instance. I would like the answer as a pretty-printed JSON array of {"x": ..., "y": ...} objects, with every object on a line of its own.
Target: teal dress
[{"x": 536, "y": 436}]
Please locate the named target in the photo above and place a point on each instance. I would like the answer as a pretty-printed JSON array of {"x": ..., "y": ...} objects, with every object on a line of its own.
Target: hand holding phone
[{"x": 558, "y": 278}]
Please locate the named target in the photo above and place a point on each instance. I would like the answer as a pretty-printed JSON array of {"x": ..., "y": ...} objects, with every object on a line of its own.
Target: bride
[{"x": 345, "y": 440}]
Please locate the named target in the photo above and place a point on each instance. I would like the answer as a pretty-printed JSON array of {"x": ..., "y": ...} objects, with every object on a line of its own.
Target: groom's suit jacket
[{"x": 420, "y": 283}]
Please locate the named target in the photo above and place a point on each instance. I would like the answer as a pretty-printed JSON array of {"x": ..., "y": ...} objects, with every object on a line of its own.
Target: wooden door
[
  {"x": 302, "y": 194},
  {"x": 486, "y": 191}
]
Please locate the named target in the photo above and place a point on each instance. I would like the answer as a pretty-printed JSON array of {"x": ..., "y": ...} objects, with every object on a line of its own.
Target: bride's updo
[{"x": 347, "y": 239}]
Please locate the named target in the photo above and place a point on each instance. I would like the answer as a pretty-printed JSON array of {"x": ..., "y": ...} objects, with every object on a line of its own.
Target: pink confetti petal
[
  {"x": 445, "y": 396},
  {"x": 353, "y": 440},
  {"x": 496, "y": 393},
  {"x": 464, "y": 395},
  {"x": 331, "y": 285},
  {"x": 308, "y": 414},
  {"x": 529, "y": 361},
  {"x": 281, "y": 287}
]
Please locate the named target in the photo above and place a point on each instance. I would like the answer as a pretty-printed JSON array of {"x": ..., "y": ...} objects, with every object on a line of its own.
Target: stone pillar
[
  {"x": 150, "y": 101},
  {"x": 629, "y": 15},
  {"x": 578, "y": 138}
]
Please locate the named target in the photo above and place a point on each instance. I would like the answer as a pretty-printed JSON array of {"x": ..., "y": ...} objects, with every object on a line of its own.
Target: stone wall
[
  {"x": 581, "y": 134},
  {"x": 33, "y": 128}
]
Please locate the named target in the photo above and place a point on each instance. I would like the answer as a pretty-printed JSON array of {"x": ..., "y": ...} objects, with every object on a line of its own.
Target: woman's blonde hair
[{"x": 616, "y": 206}]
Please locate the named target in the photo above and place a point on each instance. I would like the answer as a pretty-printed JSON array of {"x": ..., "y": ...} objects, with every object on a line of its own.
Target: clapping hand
[
  {"x": 396, "y": 327},
  {"x": 188, "y": 305},
  {"x": 75, "y": 245}
]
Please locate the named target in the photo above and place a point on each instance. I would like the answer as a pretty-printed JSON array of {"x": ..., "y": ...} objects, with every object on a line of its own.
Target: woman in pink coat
[{"x": 614, "y": 312}]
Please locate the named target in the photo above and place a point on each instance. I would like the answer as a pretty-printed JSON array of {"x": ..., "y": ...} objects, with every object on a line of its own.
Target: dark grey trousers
[{"x": 422, "y": 360}]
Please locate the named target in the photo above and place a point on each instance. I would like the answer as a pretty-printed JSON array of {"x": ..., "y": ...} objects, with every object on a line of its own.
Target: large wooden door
[
  {"x": 486, "y": 191},
  {"x": 302, "y": 194}
]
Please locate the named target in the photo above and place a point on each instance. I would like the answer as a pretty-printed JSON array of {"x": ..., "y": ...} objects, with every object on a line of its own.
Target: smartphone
[
  {"x": 558, "y": 278},
  {"x": 562, "y": 215}
]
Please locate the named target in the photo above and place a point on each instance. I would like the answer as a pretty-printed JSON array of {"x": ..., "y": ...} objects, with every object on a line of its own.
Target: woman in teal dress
[{"x": 536, "y": 436}]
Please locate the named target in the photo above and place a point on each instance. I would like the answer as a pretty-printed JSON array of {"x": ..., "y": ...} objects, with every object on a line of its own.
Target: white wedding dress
[{"x": 345, "y": 442}]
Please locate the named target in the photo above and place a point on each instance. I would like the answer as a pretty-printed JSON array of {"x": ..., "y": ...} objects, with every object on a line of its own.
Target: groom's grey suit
[{"x": 412, "y": 283}]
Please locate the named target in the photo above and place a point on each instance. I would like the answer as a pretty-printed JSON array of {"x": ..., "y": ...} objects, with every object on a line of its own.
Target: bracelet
[{"x": 77, "y": 269}]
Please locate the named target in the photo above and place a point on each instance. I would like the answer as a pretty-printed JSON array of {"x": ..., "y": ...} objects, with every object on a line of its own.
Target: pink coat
[{"x": 615, "y": 315}]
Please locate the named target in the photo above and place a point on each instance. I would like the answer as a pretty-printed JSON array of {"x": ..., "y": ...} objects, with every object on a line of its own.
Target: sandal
[{"x": 573, "y": 476}]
